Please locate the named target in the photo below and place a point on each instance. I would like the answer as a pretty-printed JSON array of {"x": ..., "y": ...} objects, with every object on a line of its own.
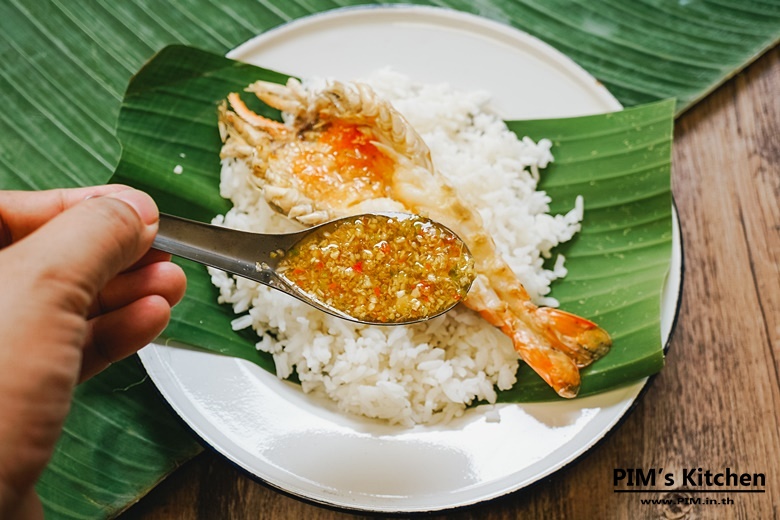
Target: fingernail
[{"x": 142, "y": 203}]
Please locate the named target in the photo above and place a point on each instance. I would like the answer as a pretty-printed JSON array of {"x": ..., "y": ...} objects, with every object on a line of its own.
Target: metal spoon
[{"x": 251, "y": 255}]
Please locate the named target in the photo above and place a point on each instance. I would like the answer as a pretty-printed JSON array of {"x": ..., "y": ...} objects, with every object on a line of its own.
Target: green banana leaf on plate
[{"x": 619, "y": 162}]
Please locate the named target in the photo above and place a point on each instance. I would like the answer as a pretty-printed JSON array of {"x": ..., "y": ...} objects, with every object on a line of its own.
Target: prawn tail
[
  {"x": 579, "y": 338},
  {"x": 555, "y": 367}
]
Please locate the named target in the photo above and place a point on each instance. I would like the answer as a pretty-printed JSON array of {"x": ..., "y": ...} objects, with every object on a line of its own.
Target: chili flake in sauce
[{"x": 382, "y": 269}]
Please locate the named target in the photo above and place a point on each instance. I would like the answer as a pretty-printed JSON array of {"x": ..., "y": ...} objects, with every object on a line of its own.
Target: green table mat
[{"x": 65, "y": 66}]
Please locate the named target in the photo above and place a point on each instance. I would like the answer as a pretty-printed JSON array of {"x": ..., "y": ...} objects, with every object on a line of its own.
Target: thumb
[{"x": 81, "y": 249}]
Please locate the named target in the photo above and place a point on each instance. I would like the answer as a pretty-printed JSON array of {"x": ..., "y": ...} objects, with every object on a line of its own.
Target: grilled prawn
[{"x": 342, "y": 151}]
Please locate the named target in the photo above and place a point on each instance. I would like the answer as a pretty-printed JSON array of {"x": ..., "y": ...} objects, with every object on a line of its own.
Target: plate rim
[{"x": 515, "y": 34}]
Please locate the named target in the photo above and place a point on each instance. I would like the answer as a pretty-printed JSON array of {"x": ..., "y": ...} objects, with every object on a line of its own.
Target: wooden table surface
[{"x": 716, "y": 404}]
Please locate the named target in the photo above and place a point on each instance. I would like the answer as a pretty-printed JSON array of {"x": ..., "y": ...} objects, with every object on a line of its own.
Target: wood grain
[{"x": 717, "y": 402}]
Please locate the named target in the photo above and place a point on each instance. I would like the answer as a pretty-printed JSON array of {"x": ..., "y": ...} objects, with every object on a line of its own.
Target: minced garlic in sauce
[{"x": 382, "y": 269}]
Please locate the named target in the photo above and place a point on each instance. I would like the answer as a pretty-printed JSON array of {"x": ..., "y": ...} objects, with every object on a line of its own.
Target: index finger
[{"x": 22, "y": 212}]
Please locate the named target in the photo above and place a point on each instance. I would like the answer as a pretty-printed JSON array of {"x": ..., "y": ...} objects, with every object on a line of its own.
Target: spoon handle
[{"x": 237, "y": 252}]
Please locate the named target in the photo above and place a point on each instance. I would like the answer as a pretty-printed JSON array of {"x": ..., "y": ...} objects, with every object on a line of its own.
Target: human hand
[{"x": 79, "y": 289}]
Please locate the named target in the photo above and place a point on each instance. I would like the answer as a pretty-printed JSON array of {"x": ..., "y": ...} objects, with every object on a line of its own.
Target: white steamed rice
[{"x": 425, "y": 373}]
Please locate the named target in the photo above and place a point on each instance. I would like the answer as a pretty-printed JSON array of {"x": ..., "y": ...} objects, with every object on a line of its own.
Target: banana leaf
[
  {"x": 619, "y": 162},
  {"x": 66, "y": 64},
  {"x": 618, "y": 263},
  {"x": 106, "y": 457}
]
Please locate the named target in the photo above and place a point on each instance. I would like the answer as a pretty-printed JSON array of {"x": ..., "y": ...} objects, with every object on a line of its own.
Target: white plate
[{"x": 302, "y": 445}]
